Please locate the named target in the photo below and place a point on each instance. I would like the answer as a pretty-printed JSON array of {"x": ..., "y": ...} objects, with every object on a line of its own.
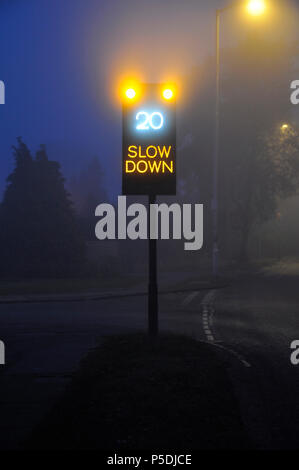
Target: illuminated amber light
[
  {"x": 130, "y": 93},
  {"x": 256, "y": 7},
  {"x": 284, "y": 127},
  {"x": 168, "y": 94}
]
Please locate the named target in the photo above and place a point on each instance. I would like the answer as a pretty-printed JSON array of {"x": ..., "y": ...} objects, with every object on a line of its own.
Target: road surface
[{"x": 251, "y": 323}]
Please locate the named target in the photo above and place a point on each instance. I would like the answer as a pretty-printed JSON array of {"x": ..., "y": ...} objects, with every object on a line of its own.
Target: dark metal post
[{"x": 153, "y": 326}]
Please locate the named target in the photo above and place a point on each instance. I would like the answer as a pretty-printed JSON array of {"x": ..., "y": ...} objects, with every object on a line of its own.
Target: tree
[
  {"x": 273, "y": 176},
  {"x": 255, "y": 100},
  {"x": 39, "y": 233}
]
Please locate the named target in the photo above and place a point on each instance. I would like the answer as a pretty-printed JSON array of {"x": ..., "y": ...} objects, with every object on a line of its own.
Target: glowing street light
[
  {"x": 256, "y": 7},
  {"x": 284, "y": 127}
]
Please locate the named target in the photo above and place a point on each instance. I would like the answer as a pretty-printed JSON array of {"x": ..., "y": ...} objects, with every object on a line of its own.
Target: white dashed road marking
[
  {"x": 208, "y": 311},
  {"x": 189, "y": 298},
  {"x": 234, "y": 353}
]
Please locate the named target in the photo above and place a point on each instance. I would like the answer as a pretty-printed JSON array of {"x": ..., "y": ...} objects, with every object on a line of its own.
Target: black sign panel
[{"x": 149, "y": 141}]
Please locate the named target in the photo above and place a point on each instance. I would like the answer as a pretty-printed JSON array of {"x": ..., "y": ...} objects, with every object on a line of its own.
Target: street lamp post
[
  {"x": 255, "y": 8},
  {"x": 215, "y": 247},
  {"x": 216, "y": 151}
]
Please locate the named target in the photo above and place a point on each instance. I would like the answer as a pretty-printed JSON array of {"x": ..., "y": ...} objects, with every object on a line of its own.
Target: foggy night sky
[{"x": 61, "y": 59}]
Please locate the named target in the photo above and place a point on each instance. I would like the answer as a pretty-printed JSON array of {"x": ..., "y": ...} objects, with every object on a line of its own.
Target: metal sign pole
[{"x": 153, "y": 325}]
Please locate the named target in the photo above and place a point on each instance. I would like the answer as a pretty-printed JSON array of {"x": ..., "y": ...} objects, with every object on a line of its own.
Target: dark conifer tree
[{"x": 39, "y": 235}]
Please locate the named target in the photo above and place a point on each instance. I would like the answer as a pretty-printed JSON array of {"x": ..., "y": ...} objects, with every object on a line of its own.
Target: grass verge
[{"x": 138, "y": 394}]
